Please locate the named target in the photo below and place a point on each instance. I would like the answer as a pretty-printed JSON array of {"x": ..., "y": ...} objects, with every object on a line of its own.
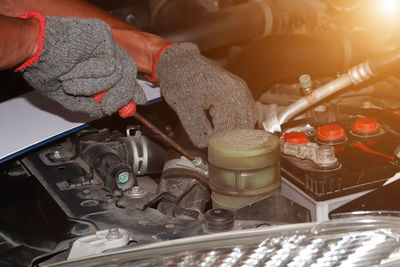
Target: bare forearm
[
  {"x": 18, "y": 40},
  {"x": 140, "y": 45}
]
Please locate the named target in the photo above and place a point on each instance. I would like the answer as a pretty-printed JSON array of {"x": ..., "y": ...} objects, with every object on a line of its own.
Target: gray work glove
[
  {"x": 196, "y": 88},
  {"x": 80, "y": 59}
]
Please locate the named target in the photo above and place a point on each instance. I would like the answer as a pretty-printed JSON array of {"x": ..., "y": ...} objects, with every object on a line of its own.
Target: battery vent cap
[
  {"x": 331, "y": 132},
  {"x": 366, "y": 125}
]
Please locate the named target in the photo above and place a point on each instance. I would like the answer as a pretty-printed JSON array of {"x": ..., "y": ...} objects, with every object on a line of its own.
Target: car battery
[{"x": 329, "y": 165}]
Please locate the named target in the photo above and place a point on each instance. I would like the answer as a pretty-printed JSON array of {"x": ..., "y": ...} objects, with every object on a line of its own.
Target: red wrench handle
[{"x": 126, "y": 111}]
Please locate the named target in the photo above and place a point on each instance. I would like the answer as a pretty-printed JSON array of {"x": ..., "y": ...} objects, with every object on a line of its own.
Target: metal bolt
[
  {"x": 113, "y": 234},
  {"x": 86, "y": 192},
  {"x": 136, "y": 192},
  {"x": 57, "y": 154},
  {"x": 130, "y": 18},
  {"x": 197, "y": 161}
]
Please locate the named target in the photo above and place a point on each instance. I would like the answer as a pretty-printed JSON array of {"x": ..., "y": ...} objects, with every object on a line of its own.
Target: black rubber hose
[{"x": 231, "y": 25}]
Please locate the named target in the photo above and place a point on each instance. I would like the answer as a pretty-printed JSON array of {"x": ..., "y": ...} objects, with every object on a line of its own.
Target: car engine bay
[{"x": 318, "y": 153}]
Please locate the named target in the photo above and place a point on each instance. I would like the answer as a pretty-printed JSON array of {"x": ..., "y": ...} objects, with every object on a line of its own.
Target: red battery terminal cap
[
  {"x": 366, "y": 125},
  {"x": 331, "y": 132},
  {"x": 298, "y": 138}
]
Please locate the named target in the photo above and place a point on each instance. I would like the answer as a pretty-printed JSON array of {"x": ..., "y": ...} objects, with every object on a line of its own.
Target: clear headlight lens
[{"x": 363, "y": 241}]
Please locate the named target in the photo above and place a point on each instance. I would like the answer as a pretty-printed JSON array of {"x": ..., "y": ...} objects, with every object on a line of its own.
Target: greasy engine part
[
  {"x": 98, "y": 205},
  {"x": 143, "y": 154},
  {"x": 190, "y": 197},
  {"x": 177, "y": 165},
  {"x": 117, "y": 159},
  {"x": 112, "y": 169},
  {"x": 72, "y": 182},
  {"x": 32, "y": 224},
  {"x": 186, "y": 183}
]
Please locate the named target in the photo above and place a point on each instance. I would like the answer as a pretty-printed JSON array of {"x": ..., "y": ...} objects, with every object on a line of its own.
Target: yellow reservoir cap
[{"x": 243, "y": 149}]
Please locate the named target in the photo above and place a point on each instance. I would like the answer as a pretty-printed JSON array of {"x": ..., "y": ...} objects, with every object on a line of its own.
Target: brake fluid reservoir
[{"x": 243, "y": 167}]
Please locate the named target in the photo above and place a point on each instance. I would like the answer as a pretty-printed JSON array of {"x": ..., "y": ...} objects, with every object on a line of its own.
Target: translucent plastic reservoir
[{"x": 243, "y": 167}]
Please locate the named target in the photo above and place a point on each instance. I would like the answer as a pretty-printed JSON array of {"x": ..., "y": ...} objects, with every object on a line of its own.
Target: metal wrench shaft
[{"x": 130, "y": 110}]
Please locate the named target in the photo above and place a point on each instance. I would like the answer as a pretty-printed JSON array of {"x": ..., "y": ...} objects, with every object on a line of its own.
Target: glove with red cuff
[
  {"x": 198, "y": 89},
  {"x": 77, "y": 58}
]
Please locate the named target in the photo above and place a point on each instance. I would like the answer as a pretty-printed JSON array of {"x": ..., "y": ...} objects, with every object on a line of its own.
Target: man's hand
[
  {"x": 79, "y": 58},
  {"x": 141, "y": 46},
  {"x": 198, "y": 89},
  {"x": 18, "y": 39}
]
